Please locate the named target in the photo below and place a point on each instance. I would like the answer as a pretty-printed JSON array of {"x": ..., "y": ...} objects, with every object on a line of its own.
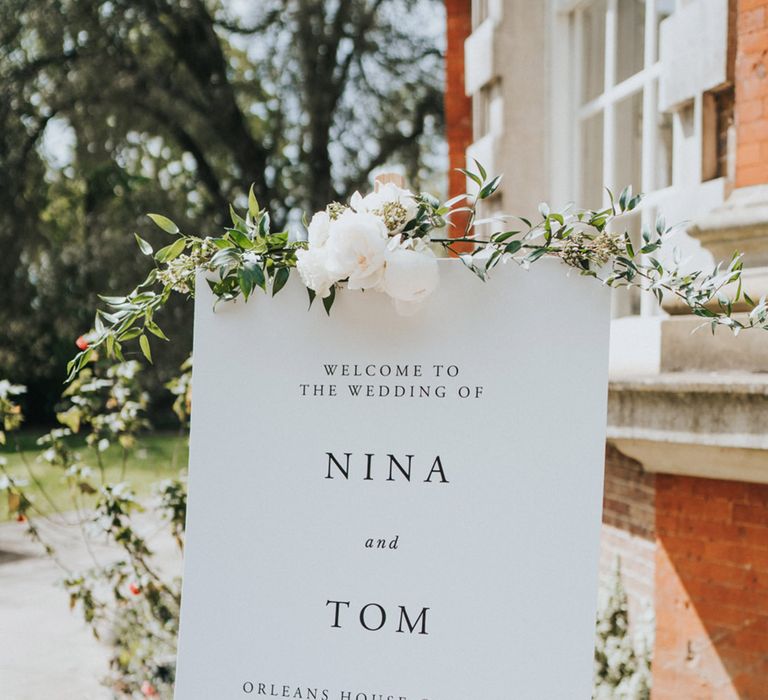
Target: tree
[{"x": 113, "y": 108}]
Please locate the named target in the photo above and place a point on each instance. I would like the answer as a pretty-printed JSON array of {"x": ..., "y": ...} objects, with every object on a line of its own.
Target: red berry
[
  {"x": 148, "y": 690},
  {"x": 134, "y": 588},
  {"x": 82, "y": 343},
  {"x": 21, "y": 518}
]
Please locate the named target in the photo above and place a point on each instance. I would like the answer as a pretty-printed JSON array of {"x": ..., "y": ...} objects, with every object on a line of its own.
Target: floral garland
[{"x": 385, "y": 241}]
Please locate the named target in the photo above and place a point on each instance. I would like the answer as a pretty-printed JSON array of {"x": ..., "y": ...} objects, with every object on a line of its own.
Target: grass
[{"x": 157, "y": 456}]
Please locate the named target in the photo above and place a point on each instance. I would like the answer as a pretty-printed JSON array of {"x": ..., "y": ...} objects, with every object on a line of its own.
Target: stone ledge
[
  {"x": 741, "y": 223},
  {"x": 693, "y": 423}
]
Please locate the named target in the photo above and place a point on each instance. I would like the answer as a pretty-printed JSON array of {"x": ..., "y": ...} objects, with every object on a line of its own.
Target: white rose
[
  {"x": 312, "y": 265},
  {"x": 410, "y": 276},
  {"x": 318, "y": 229},
  {"x": 356, "y": 246}
]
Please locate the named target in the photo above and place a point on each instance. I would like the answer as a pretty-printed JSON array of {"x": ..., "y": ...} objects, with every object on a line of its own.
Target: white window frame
[{"x": 568, "y": 21}]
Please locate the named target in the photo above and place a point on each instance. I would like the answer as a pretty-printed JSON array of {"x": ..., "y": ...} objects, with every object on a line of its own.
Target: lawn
[{"x": 157, "y": 456}]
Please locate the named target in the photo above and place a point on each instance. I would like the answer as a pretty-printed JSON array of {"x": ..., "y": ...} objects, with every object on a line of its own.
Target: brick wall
[
  {"x": 458, "y": 107},
  {"x": 751, "y": 76},
  {"x": 629, "y": 529},
  {"x": 711, "y": 590}
]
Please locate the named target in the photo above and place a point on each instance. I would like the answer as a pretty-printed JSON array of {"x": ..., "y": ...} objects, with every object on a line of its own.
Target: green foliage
[
  {"x": 128, "y": 603},
  {"x": 11, "y": 417},
  {"x": 622, "y": 664},
  {"x": 246, "y": 257},
  {"x": 250, "y": 256}
]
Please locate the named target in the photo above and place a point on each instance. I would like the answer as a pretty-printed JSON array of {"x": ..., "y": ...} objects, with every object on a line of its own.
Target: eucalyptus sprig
[{"x": 245, "y": 257}]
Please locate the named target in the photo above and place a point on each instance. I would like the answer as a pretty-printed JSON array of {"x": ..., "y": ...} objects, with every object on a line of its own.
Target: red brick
[
  {"x": 711, "y": 531},
  {"x": 752, "y": 44},
  {"x": 696, "y": 507},
  {"x": 458, "y": 107},
  {"x": 720, "y": 488},
  {"x": 750, "y": 88},
  {"x": 711, "y": 587},
  {"x": 746, "y": 5},
  {"x": 750, "y": 514},
  {"x": 751, "y": 110},
  {"x": 751, "y": 175},
  {"x": 749, "y": 153},
  {"x": 757, "y": 493},
  {"x": 751, "y": 20}
]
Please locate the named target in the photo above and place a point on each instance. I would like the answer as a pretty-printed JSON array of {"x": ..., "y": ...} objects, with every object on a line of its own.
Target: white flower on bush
[
  {"x": 394, "y": 205},
  {"x": 410, "y": 276},
  {"x": 355, "y": 248}
]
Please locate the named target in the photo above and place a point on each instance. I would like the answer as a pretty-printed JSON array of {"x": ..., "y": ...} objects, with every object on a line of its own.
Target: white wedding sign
[{"x": 397, "y": 508}]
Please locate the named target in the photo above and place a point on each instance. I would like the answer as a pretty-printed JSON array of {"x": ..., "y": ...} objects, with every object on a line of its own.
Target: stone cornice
[{"x": 693, "y": 423}]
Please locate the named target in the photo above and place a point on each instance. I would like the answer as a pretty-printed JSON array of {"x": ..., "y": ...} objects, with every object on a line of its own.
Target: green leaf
[
  {"x": 253, "y": 205},
  {"x": 480, "y": 169},
  {"x": 501, "y": 237},
  {"x": 154, "y": 329},
  {"x": 535, "y": 254},
  {"x": 471, "y": 176},
  {"x": 281, "y": 277},
  {"x": 278, "y": 240},
  {"x": 170, "y": 252},
  {"x": 237, "y": 220},
  {"x": 164, "y": 223},
  {"x": 624, "y": 197},
  {"x": 144, "y": 247},
  {"x": 490, "y": 188},
  {"x": 312, "y": 294},
  {"x": 130, "y": 334},
  {"x": 245, "y": 280},
  {"x": 513, "y": 246},
  {"x": 240, "y": 239},
  {"x": 328, "y": 301},
  {"x": 257, "y": 274},
  {"x": 144, "y": 345}
]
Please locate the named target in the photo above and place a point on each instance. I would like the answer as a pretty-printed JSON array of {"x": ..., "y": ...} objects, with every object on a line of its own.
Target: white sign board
[{"x": 392, "y": 508}]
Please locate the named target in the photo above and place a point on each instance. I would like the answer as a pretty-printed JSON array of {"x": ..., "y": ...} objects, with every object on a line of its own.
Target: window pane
[
  {"x": 591, "y": 175},
  {"x": 630, "y": 44},
  {"x": 628, "y": 148},
  {"x": 663, "y": 177},
  {"x": 664, "y": 8},
  {"x": 593, "y": 50}
]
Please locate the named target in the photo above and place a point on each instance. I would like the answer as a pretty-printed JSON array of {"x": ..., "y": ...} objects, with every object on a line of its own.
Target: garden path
[{"x": 46, "y": 650}]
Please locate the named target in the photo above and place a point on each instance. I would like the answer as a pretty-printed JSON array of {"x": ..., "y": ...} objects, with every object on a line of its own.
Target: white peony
[
  {"x": 393, "y": 204},
  {"x": 318, "y": 229},
  {"x": 356, "y": 246},
  {"x": 410, "y": 276},
  {"x": 312, "y": 265}
]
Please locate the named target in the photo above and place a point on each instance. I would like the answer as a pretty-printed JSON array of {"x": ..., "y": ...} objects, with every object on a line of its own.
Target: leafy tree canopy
[{"x": 111, "y": 109}]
